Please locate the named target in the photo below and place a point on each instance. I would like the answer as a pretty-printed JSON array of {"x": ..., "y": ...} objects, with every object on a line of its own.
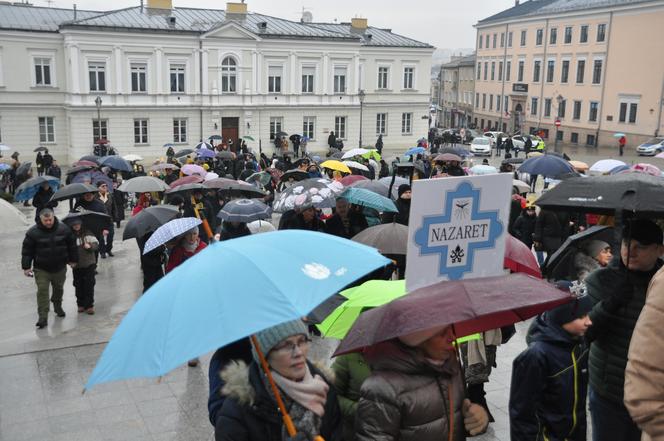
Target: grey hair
[{"x": 46, "y": 212}]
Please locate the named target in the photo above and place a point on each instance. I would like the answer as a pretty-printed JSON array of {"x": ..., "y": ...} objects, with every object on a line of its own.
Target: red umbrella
[
  {"x": 471, "y": 306},
  {"x": 519, "y": 258},
  {"x": 351, "y": 179},
  {"x": 84, "y": 163},
  {"x": 193, "y": 179}
]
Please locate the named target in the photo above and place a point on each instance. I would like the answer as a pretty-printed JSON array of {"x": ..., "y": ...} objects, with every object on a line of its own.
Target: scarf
[
  {"x": 103, "y": 197},
  {"x": 190, "y": 247},
  {"x": 311, "y": 392}
]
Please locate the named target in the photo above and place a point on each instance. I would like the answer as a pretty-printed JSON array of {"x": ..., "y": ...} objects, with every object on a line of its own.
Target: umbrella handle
[{"x": 201, "y": 215}]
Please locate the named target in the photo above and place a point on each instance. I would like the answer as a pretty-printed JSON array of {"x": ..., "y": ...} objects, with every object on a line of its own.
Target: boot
[
  {"x": 41, "y": 323},
  {"x": 57, "y": 308}
]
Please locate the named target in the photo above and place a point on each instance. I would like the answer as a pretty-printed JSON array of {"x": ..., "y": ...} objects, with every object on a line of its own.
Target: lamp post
[
  {"x": 559, "y": 100},
  {"x": 361, "y": 95},
  {"x": 98, "y": 104}
]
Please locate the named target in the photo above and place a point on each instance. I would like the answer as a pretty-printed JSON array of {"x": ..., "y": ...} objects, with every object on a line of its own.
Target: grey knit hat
[
  {"x": 270, "y": 337},
  {"x": 594, "y": 247}
]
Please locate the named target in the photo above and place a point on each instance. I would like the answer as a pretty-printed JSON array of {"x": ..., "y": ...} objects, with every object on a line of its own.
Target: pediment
[{"x": 230, "y": 31}]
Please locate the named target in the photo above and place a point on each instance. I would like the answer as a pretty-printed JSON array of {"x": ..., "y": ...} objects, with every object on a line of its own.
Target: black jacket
[
  {"x": 41, "y": 199},
  {"x": 49, "y": 249},
  {"x": 549, "y": 385},
  {"x": 227, "y": 231},
  {"x": 524, "y": 228},
  {"x": 334, "y": 225},
  {"x": 297, "y": 222},
  {"x": 551, "y": 229},
  {"x": 402, "y": 217},
  {"x": 93, "y": 205}
]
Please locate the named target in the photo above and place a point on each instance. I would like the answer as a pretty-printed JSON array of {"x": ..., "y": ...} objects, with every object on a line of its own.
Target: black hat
[
  {"x": 571, "y": 311},
  {"x": 402, "y": 189},
  {"x": 644, "y": 231}
]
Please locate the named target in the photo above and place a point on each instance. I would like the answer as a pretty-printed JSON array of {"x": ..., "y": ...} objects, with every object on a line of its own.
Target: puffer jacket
[
  {"x": 549, "y": 385},
  {"x": 48, "y": 249},
  {"x": 249, "y": 412},
  {"x": 611, "y": 333},
  {"x": 407, "y": 398},
  {"x": 350, "y": 371}
]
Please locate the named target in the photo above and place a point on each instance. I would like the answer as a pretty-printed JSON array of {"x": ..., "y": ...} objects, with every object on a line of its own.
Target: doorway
[{"x": 230, "y": 129}]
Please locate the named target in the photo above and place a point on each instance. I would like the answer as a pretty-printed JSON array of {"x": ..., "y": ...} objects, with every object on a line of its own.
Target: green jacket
[
  {"x": 350, "y": 371},
  {"x": 611, "y": 333}
]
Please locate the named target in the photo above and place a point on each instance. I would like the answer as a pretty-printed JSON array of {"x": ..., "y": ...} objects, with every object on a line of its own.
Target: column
[
  {"x": 206, "y": 73},
  {"x": 357, "y": 81},
  {"x": 326, "y": 73},
  {"x": 74, "y": 69},
  {"x": 119, "y": 63},
  {"x": 159, "y": 69},
  {"x": 261, "y": 71},
  {"x": 293, "y": 71},
  {"x": 196, "y": 53},
  {"x": 254, "y": 71}
]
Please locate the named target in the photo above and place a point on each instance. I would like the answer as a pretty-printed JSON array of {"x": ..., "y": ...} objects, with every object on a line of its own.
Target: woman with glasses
[{"x": 250, "y": 411}]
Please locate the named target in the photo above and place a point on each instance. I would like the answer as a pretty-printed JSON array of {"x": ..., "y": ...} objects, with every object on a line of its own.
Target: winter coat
[
  {"x": 119, "y": 203},
  {"x": 228, "y": 231},
  {"x": 109, "y": 206},
  {"x": 549, "y": 386},
  {"x": 86, "y": 257},
  {"x": 350, "y": 371},
  {"x": 402, "y": 217},
  {"x": 297, "y": 222},
  {"x": 407, "y": 398},
  {"x": 94, "y": 205},
  {"x": 357, "y": 222},
  {"x": 179, "y": 254},
  {"x": 551, "y": 230},
  {"x": 41, "y": 199},
  {"x": 611, "y": 333},
  {"x": 524, "y": 228},
  {"x": 240, "y": 351},
  {"x": 644, "y": 377},
  {"x": 48, "y": 249},
  {"x": 249, "y": 412},
  {"x": 584, "y": 265}
]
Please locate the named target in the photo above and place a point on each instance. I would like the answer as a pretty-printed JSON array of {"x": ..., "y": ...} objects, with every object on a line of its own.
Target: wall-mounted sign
[{"x": 520, "y": 87}]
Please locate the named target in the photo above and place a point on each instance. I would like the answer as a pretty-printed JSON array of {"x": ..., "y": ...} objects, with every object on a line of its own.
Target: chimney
[
  {"x": 160, "y": 4},
  {"x": 516, "y": 3},
  {"x": 359, "y": 24},
  {"x": 236, "y": 9}
]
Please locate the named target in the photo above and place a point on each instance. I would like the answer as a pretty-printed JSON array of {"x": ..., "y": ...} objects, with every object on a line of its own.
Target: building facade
[
  {"x": 457, "y": 91},
  {"x": 178, "y": 75},
  {"x": 590, "y": 64}
]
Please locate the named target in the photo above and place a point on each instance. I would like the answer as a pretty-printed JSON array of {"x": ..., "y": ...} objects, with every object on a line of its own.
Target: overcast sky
[{"x": 446, "y": 24}]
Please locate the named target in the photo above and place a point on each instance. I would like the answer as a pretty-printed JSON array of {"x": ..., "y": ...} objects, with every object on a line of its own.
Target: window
[
  {"x": 228, "y": 75},
  {"x": 536, "y": 71},
  {"x": 576, "y": 113},
  {"x": 480, "y": 42},
  {"x": 498, "y": 101},
  {"x": 601, "y": 32},
  {"x": 500, "y": 71},
  {"x": 406, "y": 123},
  {"x": 628, "y": 111},
  {"x": 583, "y": 36},
  {"x": 138, "y": 78},
  {"x": 568, "y": 35},
  {"x": 508, "y": 71},
  {"x": 523, "y": 38},
  {"x": 477, "y": 99},
  {"x": 590, "y": 140},
  {"x": 408, "y": 73},
  {"x": 534, "y": 101},
  {"x": 539, "y": 37},
  {"x": 495, "y": 38},
  {"x": 179, "y": 130},
  {"x": 308, "y": 127},
  {"x": 519, "y": 74},
  {"x": 276, "y": 124},
  {"x": 340, "y": 126},
  {"x": 592, "y": 113},
  {"x": 177, "y": 80},
  {"x": 383, "y": 74},
  {"x": 96, "y": 133},
  {"x": 493, "y": 70},
  {"x": 509, "y": 39},
  {"x": 490, "y": 101},
  {"x": 507, "y": 101},
  {"x": 547, "y": 107},
  {"x": 562, "y": 108},
  {"x": 339, "y": 80},
  {"x": 46, "y": 129},
  {"x": 97, "y": 74},
  {"x": 502, "y": 39},
  {"x": 381, "y": 123},
  {"x": 553, "y": 35},
  {"x": 479, "y": 70},
  {"x": 550, "y": 68},
  {"x": 308, "y": 79},
  {"x": 43, "y": 72},
  {"x": 564, "y": 72},
  {"x": 486, "y": 41},
  {"x": 140, "y": 131},
  {"x": 597, "y": 71},
  {"x": 559, "y": 135},
  {"x": 486, "y": 70},
  {"x": 580, "y": 71},
  {"x": 274, "y": 79},
  {"x": 574, "y": 138},
  {"x": 484, "y": 101}
]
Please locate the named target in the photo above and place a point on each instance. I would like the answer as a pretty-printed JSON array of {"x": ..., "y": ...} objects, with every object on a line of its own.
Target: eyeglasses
[{"x": 289, "y": 347}]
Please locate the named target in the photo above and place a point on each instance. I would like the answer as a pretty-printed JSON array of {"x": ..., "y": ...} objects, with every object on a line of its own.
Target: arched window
[{"x": 228, "y": 75}]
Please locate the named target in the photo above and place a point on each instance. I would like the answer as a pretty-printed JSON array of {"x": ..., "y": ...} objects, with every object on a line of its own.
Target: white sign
[{"x": 457, "y": 228}]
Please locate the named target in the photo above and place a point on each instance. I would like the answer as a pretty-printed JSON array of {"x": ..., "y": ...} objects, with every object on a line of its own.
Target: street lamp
[
  {"x": 559, "y": 100},
  {"x": 361, "y": 95},
  {"x": 98, "y": 104}
]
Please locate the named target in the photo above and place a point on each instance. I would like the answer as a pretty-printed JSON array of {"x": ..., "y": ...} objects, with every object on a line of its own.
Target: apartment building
[{"x": 457, "y": 91}]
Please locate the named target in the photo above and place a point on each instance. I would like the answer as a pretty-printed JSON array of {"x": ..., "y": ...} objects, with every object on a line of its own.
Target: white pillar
[
  {"x": 357, "y": 81},
  {"x": 205, "y": 68},
  {"x": 159, "y": 68},
  {"x": 196, "y": 72},
  {"x": 119, "y": 62},
  {"x": 74, "y": 69},
  {"x": 293, "y": 74},
  {"x": 326, "y": 73},
  {"x": 254, "y": 72}
]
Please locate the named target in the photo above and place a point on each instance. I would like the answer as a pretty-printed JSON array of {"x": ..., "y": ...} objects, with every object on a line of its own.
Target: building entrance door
[{"x": 230, "y": 130}]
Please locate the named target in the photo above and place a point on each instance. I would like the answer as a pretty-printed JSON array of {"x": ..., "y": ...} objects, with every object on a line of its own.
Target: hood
[
  {"x": 543, "y": 330},
  {"x": 584, "y": 263},
  {"x": 393, "y": 355}
]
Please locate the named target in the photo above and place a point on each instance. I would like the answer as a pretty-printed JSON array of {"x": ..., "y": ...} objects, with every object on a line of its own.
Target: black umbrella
[
  {"x": 244, "y": 210},
  {"x": 514, "y": 160},
  {"x": 24, "y": 169},
  {"x": 281, "y": 134},
  {"x": 234, "y": 188},
  {"x": 148, "y": 220},
  {"x": 560, "y": 266},
  {"x": 92, "y": 220},
  {"x": 560, "y": 155},
  {"x": 634, "y": 192},
  {"x": 143, "y": 184},
  {"x": 215, "y": 138},
  {"x": 116, "y": 163},
  {"x": 337, "y": 155},
  {"x": 92, "y": 158},
  {"x": 79, "y": 168},
  {"x": 183, "y": 152},
  {"x": 295, "y": 174},
  {"x": 295, "y": 138},
  {"x": 72, "y": 191},
  {"x": 40, "y": 149}
]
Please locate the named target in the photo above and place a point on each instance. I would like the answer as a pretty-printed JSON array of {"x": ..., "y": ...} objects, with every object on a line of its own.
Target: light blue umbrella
[
  {"x": 482, "y": 169},
  {"x": 415, "y": 151},
  {"x": 618, "y": 135},
  {"x": 5, "y": 167},
  {"x": 368, "y": 198},
  {"x": 204, "y": 145},
  {"x": 228, "y": 291},
  {"x": 170, "y": 230},
  {"x": 29, "y": 188},
  {"x": 205, "y": 153}
]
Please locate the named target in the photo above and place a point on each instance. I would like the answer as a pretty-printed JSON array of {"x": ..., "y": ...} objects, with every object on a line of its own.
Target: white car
[
  {"x": 519, "y": 142},
  {"x": 480, "y": 146},
  {"x": 651, "y": 147},
  {"x": 493, "y": 136}
]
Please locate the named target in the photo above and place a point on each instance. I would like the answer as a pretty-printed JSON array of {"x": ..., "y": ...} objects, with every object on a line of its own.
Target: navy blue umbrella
[
  {"x": 116, "y": 163},
  {"x": 547, "y": 165}
]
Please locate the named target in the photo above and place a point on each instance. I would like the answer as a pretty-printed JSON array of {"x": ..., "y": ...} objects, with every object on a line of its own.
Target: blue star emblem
[{"x": 460, "y": 231}]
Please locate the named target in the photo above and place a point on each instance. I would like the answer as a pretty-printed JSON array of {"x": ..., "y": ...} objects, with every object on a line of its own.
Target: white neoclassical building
[{"x": 177, "y": 75}]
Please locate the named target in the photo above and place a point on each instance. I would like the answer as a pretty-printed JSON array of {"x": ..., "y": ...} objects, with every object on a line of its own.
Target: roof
[
  {"x": 519, "y": 10},
  {"x": 372, "y": 36},
  {"x": 34, "y": 18},
  {"x": 467, "y": 60}
]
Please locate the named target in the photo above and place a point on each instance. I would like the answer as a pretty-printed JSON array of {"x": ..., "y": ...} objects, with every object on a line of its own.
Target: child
[
  {"x": 550, "y": 378},
  {"x": 84, "y": 272}
]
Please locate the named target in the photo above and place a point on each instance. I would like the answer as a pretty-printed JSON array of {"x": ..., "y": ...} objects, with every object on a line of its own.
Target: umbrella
[
  {"x": 204, "y": 145},
  {"x": 605, "y": 166},
  {"x": 336, "y": 165},
  {"x": 456, "y": 151},
  {"x": 619, "y": 169},
  {"x": 356, "y": 165},
  {"x": 606, "y": 194},
  {"x": 244, "y": 210},
  {"x": 101, "y": 141},
  {"x": 646, "y": 168},
  {"x": 618, "y": 135},
  {"x": 248, "y": 138},
  {"x": 347, "y": 181},
  {"x": 92, "y": 220},
  {"x": 372, "y": 154},
  {"x": 235, "y": 188},
  {"x": 168, "y": 145},
  {"x": 281, "y": 134},
  {"x": 391, "y": 238},
  {"x": 185, "y": 187},
  {"x": 295, "y": 174},
  {"x": 24, "y": 169},
  {"x": 579, "y": 165},
  {"x": 193, "y": 169},
  {"x": 534, "y": 155},
  {"x": 521, "y": 186},
  {"x": 211, "y": 175},
  {"x": 355, "y": 152},
  {"x": 660, "y": 155},
  {"x": 4, "y": 148},
  {"x": 370, "y": 294},
  {"x": 132, "y": 157},
  {"x": 514, "y": 160},
  {"x": 220, "y": 183},
  {"x": 4, "y": 167},
  {"x": 205, "y": 153},
  {"x": 193, "y": 179},
  {"x": 148, "y": 220},
  {"x": 169, "y": 231},
  {"x": 72, "y": 191},
  {"x": 378, "y": 187},
  {"x": 91, "y": 158},
  {"x": 470, "y": 305},
  {"x": 80, "y": 168},
  {"x": 546, "y": 165},
  {"x": 260, "y": 226},
  {"x": 164, "y": 166},
  {"x": 448, "y": 157},
  {"x": 83, "y": 163},
  {"x": 225, "y": 155},
  {"x": 519, "y": 258},
  {"x": 116, "y": 163},
  {"x": 29, "y": 188},
  {"x": 336, "y": 155},
  {"x": 93, "y": 177},
  {"x": 398, "y": 181},
  {"x": 183, "y": 152},
  {"x": 318, "y": 192},
  {"x": 40, "y": 149},
  {"x": 263, "y": 178},
  {"x": 415, "y": 151},
  {"x": 481, "y": 169},
  {"x": 215, "y": 138},
  {"x": 560, "y": 266},
  {"x": 150, "y": 341},
  {"x": 366, "y": 198}
]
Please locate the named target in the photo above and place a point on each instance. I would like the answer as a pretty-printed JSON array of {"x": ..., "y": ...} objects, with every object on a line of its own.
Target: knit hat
[
  {"x": 644, "y": 231},
  {"x": 270, "y": 337},
  {"x": 594, "y": 247},
  {"x": 570, "y": 311},
  {"x": 402, "y": 189},
  {"x": 76, "y": 220}
]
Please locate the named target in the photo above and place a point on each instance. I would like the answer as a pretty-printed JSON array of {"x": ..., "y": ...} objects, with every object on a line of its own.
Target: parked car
[
  {"x": 470, "y": 135},
  {"x": 651, "y": 147},
  {"x": 519, "y": 141},
  {"x": 493, "y": 136},
  {"x": 480, "y": 146}
]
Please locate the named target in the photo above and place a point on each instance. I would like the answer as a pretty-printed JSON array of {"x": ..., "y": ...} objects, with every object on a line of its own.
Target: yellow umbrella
[
  {"x": 535, "y": 154},
  {"x": 579, "y": 165},
  {"x": 336, "y": 165}
]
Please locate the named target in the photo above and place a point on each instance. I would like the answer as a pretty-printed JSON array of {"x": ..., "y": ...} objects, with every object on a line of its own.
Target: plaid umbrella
[
  {"x": 244, "y": 210},
  {"x": 169, "y": 231}
]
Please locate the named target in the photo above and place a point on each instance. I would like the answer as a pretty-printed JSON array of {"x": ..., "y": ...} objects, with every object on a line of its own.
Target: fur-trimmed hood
[{"x": 584, "y": 265}]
